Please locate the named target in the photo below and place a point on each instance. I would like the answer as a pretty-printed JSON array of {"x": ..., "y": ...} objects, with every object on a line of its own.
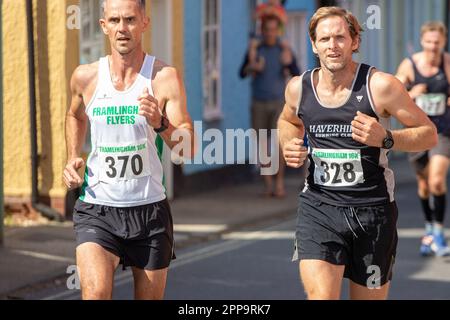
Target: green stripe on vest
[{"x": 159, "y": 142}]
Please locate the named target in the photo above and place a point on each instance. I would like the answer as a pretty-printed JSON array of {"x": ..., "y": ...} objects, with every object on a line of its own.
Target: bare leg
[
  {"x": 268, "y": 183},
  {"x": 438, "y": 169},
  {"x": 149, "y": 284},
  {"x": 96, "y": 267},
  {"x": 321, "y": 280},
  {"x": 358, "y": 292}
]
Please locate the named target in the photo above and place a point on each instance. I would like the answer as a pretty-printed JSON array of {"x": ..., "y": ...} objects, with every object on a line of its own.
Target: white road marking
[
  {"x": 436, "y": 269},
  {"x": 260, "y": 235},
  {"x": 199, "y": 228},
  {"x": 45, "y": 256},
  {"x": 236, "y": 240},
  {"x": 189, "y": 257},
  {"x": 418, "y": 233}
]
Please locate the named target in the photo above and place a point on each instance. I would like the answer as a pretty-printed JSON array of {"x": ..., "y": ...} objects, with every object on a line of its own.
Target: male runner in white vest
[
  {"x": 347, "y": 214},
  {"x": 131, "y": 100}
]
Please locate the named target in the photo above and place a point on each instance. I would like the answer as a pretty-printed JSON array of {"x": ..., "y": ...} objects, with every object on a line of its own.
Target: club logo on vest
[
  {"x": 104, "y": 97},
  {"x": 359, "y": 98}
]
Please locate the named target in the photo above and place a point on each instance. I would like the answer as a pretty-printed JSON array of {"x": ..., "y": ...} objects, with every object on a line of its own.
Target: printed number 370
[{"x": 136, "y": 164}]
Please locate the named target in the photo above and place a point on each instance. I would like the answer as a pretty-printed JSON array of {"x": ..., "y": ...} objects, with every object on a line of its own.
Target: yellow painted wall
[
  {"x": 56, "y": 55},
  {"x": 16, "y": 153},
  {"x": 178, "y": 38}
]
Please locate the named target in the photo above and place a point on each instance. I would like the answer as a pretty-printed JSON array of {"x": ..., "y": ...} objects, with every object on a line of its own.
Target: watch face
[{"x": 388, "y": 143}]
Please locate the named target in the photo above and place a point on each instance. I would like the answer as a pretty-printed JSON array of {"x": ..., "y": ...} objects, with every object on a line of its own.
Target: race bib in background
[{"x": 433, "y": 104}]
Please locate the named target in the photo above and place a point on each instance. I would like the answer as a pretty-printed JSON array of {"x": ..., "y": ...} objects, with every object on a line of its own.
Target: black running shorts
[
  {"x": 140, "y": 236},
  {"x": 364, "y": 239}
]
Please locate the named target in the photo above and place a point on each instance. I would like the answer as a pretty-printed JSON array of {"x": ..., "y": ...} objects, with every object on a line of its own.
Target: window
[
  {"x": 91, "y": 41},
  {"x": 297, "y": 36},
  {"x": 211, "y": 48},
  {"x": 91, "y": 36}
]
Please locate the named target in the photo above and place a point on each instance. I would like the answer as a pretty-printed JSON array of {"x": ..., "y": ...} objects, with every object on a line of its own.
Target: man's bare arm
[
  {"x": 291, "y": 129},
  {"x": 447, "y": 73},
  {"x": 76, "y": 118},
  {"x": 391, "y": 98},
  {"x": 289, "y": 123},
  {"x": 169, "y": 85},
  {"x": 405, "y": 74},
  {"x": 76, "y": 125}
]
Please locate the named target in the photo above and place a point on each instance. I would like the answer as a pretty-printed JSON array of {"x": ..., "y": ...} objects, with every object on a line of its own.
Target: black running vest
[
  {"x": 434, "y": 102},
  {"x": 342, "y": 171}
]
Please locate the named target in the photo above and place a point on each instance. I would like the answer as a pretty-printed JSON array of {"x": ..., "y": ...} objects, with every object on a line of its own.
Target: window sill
[{"x": 213, "y": 115}]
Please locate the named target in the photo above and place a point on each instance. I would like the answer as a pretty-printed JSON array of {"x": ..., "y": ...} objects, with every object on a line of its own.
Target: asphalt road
[{"x": 256, "y": 264}]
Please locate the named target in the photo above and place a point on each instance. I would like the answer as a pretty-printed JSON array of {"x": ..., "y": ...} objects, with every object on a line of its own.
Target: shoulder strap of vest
[{"x": 361, "y": 77}]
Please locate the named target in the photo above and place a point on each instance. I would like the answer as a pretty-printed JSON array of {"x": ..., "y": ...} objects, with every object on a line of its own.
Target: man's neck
[
  {"x": 335, "y": 81},
  {"x": 432, "y": 59},
  {"x": 124, "y": 66}
]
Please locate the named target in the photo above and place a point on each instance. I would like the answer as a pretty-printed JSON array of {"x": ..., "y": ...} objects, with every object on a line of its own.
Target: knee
[
  {"x": 423, "y": 192},
  {"x": 437, "y": 186},
  {"x": 317, "y": 294},
  {"x": 422, "y": 188},
  {"x": 92, "y": 292}
]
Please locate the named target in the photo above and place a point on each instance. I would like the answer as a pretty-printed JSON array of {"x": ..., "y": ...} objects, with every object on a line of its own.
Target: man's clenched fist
[{"x": 295, "y": 153}]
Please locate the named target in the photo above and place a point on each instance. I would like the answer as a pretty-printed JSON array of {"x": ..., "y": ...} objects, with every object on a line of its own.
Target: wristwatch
[
  {"x": 388, "y": 142},
  {"x": 164, "y": 125}
]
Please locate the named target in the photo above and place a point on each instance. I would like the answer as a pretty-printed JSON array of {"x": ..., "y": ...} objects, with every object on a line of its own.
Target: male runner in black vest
[
  {"x": 427, "y": 75},
  {"x": 347, "y": 215}
]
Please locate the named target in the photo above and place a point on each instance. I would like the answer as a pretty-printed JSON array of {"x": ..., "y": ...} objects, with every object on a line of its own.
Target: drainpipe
[
  {"x": 1, "y": 130},
  {"x": 45, "y": 210},
  {"x": 447, "y": 23}
]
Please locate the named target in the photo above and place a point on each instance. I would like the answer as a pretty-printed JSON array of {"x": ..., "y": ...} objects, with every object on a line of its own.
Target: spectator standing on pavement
[
  {"x": 426, "y": 74},
  {"x": 275, "y": 59},
  {"x": 271, "y": 8}
]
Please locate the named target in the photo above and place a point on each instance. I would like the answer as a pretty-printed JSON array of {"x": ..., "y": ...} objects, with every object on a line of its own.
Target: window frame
[
  {"x": 95, "y": 41},
  {"x": 212, "y": 110}
]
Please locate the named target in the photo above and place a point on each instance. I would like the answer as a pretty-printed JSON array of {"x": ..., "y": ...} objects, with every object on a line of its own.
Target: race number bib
[
  {"x": 433, "y": 104},
  {"x": 337, "y": 167},
  {"x": 124, "y": 162}
]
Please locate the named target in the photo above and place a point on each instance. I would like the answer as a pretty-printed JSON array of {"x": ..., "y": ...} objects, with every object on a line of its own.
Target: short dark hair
[
  {"x": 270, "y": 17},
  {"x": 140, "y": 2}
]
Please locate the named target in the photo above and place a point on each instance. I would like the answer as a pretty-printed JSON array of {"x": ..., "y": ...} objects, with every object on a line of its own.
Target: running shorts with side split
[
  {"x": 419, "y": 160},
  {"x": 364, "y": 239},
  {"x": 442, "y": 148},
  {"x": 140, "y": 236}
]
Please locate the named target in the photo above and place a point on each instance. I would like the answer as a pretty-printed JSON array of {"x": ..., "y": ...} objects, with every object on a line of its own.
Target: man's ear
[
  {"x": 355, "y": 44},
  {"x": 313, "y": 45},
  {"x": 102, "y": 22},
  {"x": 146, "y": 22}
]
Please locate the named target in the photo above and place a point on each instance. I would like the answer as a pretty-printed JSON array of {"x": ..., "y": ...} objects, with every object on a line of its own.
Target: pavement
[{"x": 35, "y": 257}]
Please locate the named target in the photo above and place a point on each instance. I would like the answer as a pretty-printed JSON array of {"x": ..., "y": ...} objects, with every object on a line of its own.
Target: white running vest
[{"x": 124, "y": 168}]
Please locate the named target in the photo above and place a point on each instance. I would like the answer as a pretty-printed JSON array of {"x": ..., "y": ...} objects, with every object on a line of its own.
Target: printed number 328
[{"x": 348, "y": 175}]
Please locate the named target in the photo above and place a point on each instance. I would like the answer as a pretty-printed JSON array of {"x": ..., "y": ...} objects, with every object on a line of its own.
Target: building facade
[{"x": 205, "y": 40}]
